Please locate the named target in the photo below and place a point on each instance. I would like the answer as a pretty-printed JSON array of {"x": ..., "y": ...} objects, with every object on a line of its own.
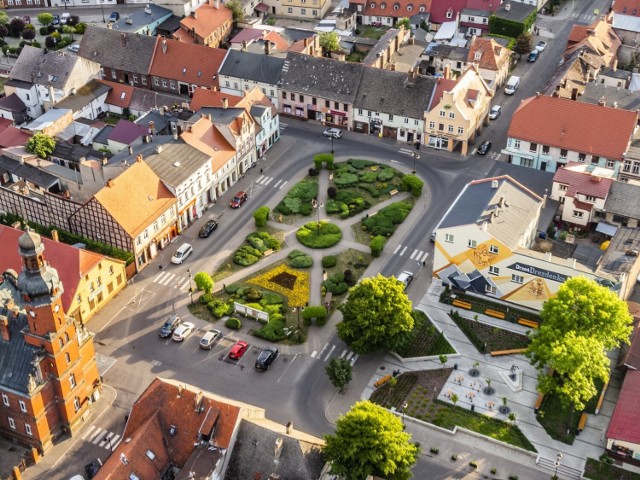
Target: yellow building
[
  {"x": 458, "y": 111},
  {"x": 307, "y": 9}
]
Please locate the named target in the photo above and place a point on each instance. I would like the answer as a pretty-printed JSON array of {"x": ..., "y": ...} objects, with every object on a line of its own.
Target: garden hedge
[
  {"x": 261, "y": 216},
  {"x": 377, "y": 244},
  {"x": 329, "y": 261},
  {"x": 324, "y": 237},
  {"x": 233, "y": 323}
]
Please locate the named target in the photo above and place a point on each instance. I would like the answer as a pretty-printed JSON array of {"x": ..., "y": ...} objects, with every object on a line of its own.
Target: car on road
[
  {"x": 484, "y": 147},
  {"x": 170, "y": 325},
  {"x": 238, "y": 200},
  {"x": 26, "y": 19},
  {"x": 207, "y": 228},
  {"x": 405, "y": 277},
  {"x": 183, "y": 331},
  {"x": 495, "y": 112},
  {"x": 64, "y": 18},
  {"x": 114, "y": 17},
  {"x": 238, "y": 350},
  {"x": 182, "y": 253},
  {"x": 541, "y": 46},
  {"x": 209, "y": 339},
  {"x": 332, "y": 132},
  {"x": 74, "y": 47},
  {"x": 533, "y": 56},
  {"x": 91, "y": 469},
  {"x": 56, "y": 19},
  {"x": 266, "y": 358}
]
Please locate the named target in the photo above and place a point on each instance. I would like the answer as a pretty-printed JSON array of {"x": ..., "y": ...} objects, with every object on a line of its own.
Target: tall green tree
[
  {"x": 330, "y": 42},
  {"x": 370, "y": 440},
  {"x": 524, "y": 44},
  {"x": 4, "y": 18},
  {"x": 41, "y": 145},
  {"x": 45, "y": 19},
  {"x": 236, "y": 10},
  {"x": 203, "y": 281},
  {"x": 404, "y": 22},
  {"x": 376, "y": 316},
  {"x": 339, "y": 371}
]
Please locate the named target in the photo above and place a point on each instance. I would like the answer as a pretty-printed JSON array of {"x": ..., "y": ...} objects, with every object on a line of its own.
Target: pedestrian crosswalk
[
  {"x": 282, "y": 127},
  {"x": 414, "y": 254},
  {"x": 170, "y": 278},
  {"x": 330, "y": 350},
  {"x": 407, "y": 151},
  {"x": 102, "y": 438},
  {"x": 584, "y": 17},
  {"x": 266, "y": 181}
]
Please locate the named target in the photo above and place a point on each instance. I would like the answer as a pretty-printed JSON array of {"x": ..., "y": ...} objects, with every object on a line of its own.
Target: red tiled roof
[
  {"x": 187, "y": 62},
  {"x": 203, "y": 97},
  {"x": 396, "y": 8},
  {"x": 247, "y": 34},
  {"x": 582, "y": 182},
  {"x": 578, "y": 32},
  {"x": 120, "y": 94},
  {"x": 13, "y": 137},
  {"x": 575, "y": 126},
  {"x": 126, "y": 132},
  {"x": 483, "y": 5},
  {"x": 587, "y": 207},
  {"x": 439, "y": 9},
  {"x": 626, "y": 416},
  {"x": 207, "y": 20},
  {"x": 627, "y": 7},
  {"x": 490, "y": 52},
  {"x": 443, "y": 85},
  {"x": 4, "y": 124}
]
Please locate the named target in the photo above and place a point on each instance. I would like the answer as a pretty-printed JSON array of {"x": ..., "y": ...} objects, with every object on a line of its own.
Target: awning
[
  {"x": 261, "y": 7},
  {"x": 607, "y": 229}
]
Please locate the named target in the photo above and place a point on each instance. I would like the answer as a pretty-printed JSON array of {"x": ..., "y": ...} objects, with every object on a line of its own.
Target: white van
[
  {"x": 512, "y": 85},
  {"x": 182, "y": 253}
]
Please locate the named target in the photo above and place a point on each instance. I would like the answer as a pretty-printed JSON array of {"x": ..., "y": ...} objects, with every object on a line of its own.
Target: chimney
[
  {"x": 130, "y": 150},
  {"x": 194, "y": 14},
  {"x": 596, "y": 179},
  {"x": 158, "y": 148},
  {"x": 602, "y": 102},
  {"x": 306, "y": 42},
  {"x": 507, "y": 7},
  {"x": 494, "y": 184},
  {"x": 267, "y": 47},
  {"x": 123, "y": 39},
  {"x": 225, "y": 103},
  {"x": 278, "y": 448},
  {"x": 217, "y": 5},
  {"x": 289, "y": 428},
  {"x": 110, "y": 183},
  {"x": 244, "y": 45},
  {"x": 574, "y": 94},
  {"x": 197, "y": 401},
  {"x": 614, "y": 65},
  {"x": 6, "y": 335},
  {"x": 152, "y": 127},
  {"x": 393, "y": 66},
  {"x": 52, "y": 95},
  {"x": 175, "y": 135},
  {"x": 139, "y": 159},
  {"x": 447, "y": 72},
  {"x": 54, "y": 236},
  {"x": 164, "y": 47}
]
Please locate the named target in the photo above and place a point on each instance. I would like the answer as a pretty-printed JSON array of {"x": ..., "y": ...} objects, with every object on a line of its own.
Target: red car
[
  {"x": 238, "y": 350},
  {"x": 238, "y": 200}
]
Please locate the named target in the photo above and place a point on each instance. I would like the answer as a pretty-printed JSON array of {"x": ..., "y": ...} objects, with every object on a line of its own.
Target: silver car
[
  {"x": 332, "y": 132},
  {"x": 495, "y": 112}
]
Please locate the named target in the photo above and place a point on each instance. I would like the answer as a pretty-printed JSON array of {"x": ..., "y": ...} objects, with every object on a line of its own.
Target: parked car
[
  {"x": 495, "y": 112},
  {"x": 56, "y": 19},
  {"x": 208, "y": 228},
  {"x": 209, "y": 339},
  {"x": 26, "y": 19},
  {"x": 238, "y": 200},
  {"x": 182, "y": 253},
  {"x": 405, "y": 277},
  {"x": 484, "y": 148},
  {"x": 169, "y": 326},
  {"x": 91, "y": 469},
  {"x": 238, "y": 350},
  {"x": 332, "y": 132},
  {"x": 183, "y": 331},
  {"x": 540, "y": 47},
  {"x": 64, "y": 17},
  {"x": 74, "y": 47},
  {"x": 533, "y": 56},
  {"x": 266, "y": 358},
  {"x": 114, "y": 17}
]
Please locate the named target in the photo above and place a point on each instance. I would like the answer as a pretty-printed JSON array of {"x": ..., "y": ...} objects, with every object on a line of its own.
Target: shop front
[{"x": 336, "y": 118}]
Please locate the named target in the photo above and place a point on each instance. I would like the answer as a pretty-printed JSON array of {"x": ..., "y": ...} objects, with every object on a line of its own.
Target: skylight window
[
  {"x": 184, "y": 70},
  {"x": 122, "y": 95}
]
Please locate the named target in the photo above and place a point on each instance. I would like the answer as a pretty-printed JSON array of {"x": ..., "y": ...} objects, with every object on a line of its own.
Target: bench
[
  {"x": 583, "y": 422},
  {"x": 393, "y": 192},
  {"x": 495, "y": 313},
  {"x": 382, "y": 381},
  {"x": 538, "y": 403},
  {"x": 267, "y": 252},
  {"x": 461, "y": 303},
  {"x": 513, "y": 351},
  {"x": 528, "y": 323}
]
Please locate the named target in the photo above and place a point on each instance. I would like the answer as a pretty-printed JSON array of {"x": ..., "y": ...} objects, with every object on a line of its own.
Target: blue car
[{"x": 533, "y": 56}]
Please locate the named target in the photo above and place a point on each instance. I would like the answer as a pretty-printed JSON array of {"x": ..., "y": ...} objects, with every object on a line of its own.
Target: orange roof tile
[
  {"x": 205, "y": 137},
  {"x": 575, "y": 126},
  {"x": 207, "y": 20},
  {"x": 120, "y": 94},
  {"x": 203, "y": 97},
  {"x": 255, "y": 96},
  {"x": 443, "y": 85},
  {"x": 187, "y": 62},
  {"x": 136, "y": 198},
  {"x": 280, "y": 42},
  {"x": 396, "y": 8},
  {"x": 627, "y": 7},
  {"x": 492, "y": 53}
]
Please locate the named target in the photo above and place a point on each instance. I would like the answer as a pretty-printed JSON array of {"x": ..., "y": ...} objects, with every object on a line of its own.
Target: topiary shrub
[
  {"x": 233, "y": 323},
  {"x": 385, "y": 174},
  {"x": 261, "y": 216},
  {"x": 361, "y": 164},
  {"x": 44, "y": 31},
  {"x": 324, "y": 235},
  {"x": 377, "y": 244},
  {"x": 344, "y": 179},
  {"x": 81, "y": 27},
  {"x": 335, "y": 284},
  {"x": 218, "y": 308},
  {"x": 206, "y": 298},
  {"x": 349, "y": 278},
  {"x": 368, "y": 177},
  {"x": 329, "y": 261},
  {"x": 313, "y": 172},
  {"x": 273, "y": 330},
  {"x": 303, "y": 261},
  {"x": 252, "y": 294},
  {"x": 319, "y": 313},
  {"x": 271, "y": 298},
  {"x": 246, "y": 255},
  {"x": 231, "y": 289},
  {"x": 332, "y": 192},
  {"x": 413, "y": 184},
  {"x": 296, "y": 253}
]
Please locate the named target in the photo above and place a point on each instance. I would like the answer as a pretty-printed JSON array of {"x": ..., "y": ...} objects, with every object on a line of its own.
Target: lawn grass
[
  {"x": 350, "y": 259},
  {"x": 417, "y": 390},
  {"x": 425, "y": 339},
  {"x": 369, "y": 31},
  {"x": 598, "y": 470}
]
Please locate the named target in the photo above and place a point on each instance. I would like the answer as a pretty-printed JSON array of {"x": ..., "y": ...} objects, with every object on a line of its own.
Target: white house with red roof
[
  {"x": 623, "y": 434},
  {"x": 548, "y": 132},
  {"x": 387, "y": 12},
  {"x": 582, "y": 191}
]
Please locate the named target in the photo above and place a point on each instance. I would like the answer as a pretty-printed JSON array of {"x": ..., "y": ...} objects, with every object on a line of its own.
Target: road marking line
[
  {"x": 277, "y": 183},
  {"x": 425, "y": 256},
  {"x": 285, "y": 182},
  {"x": 285, "y": 370},
  {"x": 185, "y": 285},
  {"x": 397, "y": 248},
  {"x": 96, "y": 435},
  {"x": 403, "y": 250},
  {"x": 264, "y": 180},
  {"x": 161, "y": 276},
  {"x": 350, "y": 355},
  {"x": 343, "y": 353},
  {"x": 323, "y": 349},
  {"x": 115, "y": 438},
  {"x": 354, "y": 359},
  {"x": 333, "y": 347},
  {"x": 413, "y": 254},
  {"x": 260, "y": 178},
  {"x": 269, "y": 181},
  {"x": 115, "y": 445},
  {"x": 314, "y": 353},
  {"x": 88, "y": 432},
  {"x": 168, "y": 279}
]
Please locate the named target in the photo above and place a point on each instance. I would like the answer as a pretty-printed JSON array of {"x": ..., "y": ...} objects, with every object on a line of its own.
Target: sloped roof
[
  {"x": 615, "y": 259},
  {"x": 396, "y": 8},
  {"x": 187, "y": 62},
  {"x": 253, "y": 66},
  {"x": 492, "y": 54},
  {"x": 632, "y": 356},
  {"x": 628, "y": 7},
  {"x": 479, "y": 203},
  {"x": 209, "y": 139},
  {"x": 43, "y": 67},
  {"x": 12, "y": 103},
  {"x": 124, "y": 51},
  {"x": 623, "y": 200},
  {"x": 394, "y": 93},
  {"x": 321, "y": 77},
  {"x": 207, "y": 20},
  {"x": 451, "y": 52},
  {"x": 575, "y": 126},
  {"x": 517, "y": 12},
  {"x": 620, "y": 97},
  {"x": 83, "y": 96},
  {"x": 136, "y": 20},
  {"x": 203, "y": 97},
  {"x": 126, "y": 132},
  {"x": 143, "y": 100},
  {"x": 582, "y": 182},
  {"x": 147, "y": 198},
  {"x": 28, "y": 172},
  {"x": 626, "y": 415},
  {"x": 439, "y": 8},
  {"x": 176, "y": 162},
  {"x": 13, "y": 137},
  {"x": 599, "y": 38},
  {"x": 120, "y": 94}
]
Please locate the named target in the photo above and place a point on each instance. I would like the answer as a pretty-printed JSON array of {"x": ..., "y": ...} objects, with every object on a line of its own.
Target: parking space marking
[
  {"x": 314, "y": 353},
  {"x": 285, "y": 370}
]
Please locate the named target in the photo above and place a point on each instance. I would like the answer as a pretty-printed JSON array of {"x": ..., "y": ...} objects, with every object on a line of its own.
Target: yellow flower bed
[{"x": 298, "y": 295}]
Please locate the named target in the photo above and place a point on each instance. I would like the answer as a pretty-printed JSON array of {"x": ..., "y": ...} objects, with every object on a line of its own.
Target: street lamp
[
  {"x": 558, "y": 458},
  {"x": 405, "y": 405},
  {"x": 190, "y": 287},
  {"x": 317, "y": 206},
  {"x": 102, "y": 10},
  {"x": 416, "y": 156},
  {"x": 331, "y": 144}
]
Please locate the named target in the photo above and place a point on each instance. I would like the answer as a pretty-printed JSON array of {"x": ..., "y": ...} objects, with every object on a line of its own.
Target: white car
[
  {"x": 74, "y": 47},
  {"x": 64, "y": 17},
  {"x": 182, "y": 253},
  {"x": 210, "y": 338},
  {"x": 405, "y": 277},
  {"x": 541, "y": 46},
  {"x": 332, "y": 132},
  {"x": 183, "y": 331},
  {"x": 495, "y": 112}
]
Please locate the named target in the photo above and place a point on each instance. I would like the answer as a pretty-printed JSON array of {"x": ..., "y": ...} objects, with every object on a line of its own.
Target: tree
[
  {"x": 28, "y": 34},
  {"x": 412, "y": 183},
  {"x": 376, "y": 315},
  {"x": 443, "y": 360},
  {"x": 261, "y": 216},
  {"x": 15, "y": 27},
  {"x": 236, "y": 10},
  {"x": 370, "y": 440},
  {"x": 203, "y": 281},
  {"x": 339, "y": 372},
  {"x": 454, "y": 399},
  {"x": 69, "y": 30},
  {"x": 41, "y": 145},
  {"x": 404, "y": 22},
  {"x": 4, "y": 31},
  {"x": 524, "y": 44},
  {"x": 45, "y": 19},
  {"x": 330, "y": 42},
  {"x": 4, "y": 18}
]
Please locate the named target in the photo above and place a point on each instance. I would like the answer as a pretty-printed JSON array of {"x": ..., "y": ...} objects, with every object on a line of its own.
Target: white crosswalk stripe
[
  {"x": 406, "y": 151},
  {"x": 403, "y": 250},
  {"x": 86, "y": 434},
  {"x": 99, "y": 436},
  {"x": 264, "y": 181},
  {"x": 424, "y": 257},
  {"x": 285, "y": 182},
  {"x": 416, "y": 254},
  {"x": 169, "y": 278},
  {"x": 329, "y": 351}
]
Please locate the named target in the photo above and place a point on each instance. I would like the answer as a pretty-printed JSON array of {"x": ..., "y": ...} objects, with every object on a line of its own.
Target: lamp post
[
  {"x": 102, "y": 10},
  {"x": 331, "y": 144},
  {"x": 558, "y": 458},
  {"x": 317, "y": 206},
  {"x": 416, "y": 156},
  {"x": 190, "y": 287},
  {"x": 405, "y": 405}
]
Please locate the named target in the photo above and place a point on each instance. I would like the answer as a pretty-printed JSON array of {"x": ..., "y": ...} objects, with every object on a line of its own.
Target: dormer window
[
  {"x": 53, "y": 78},
  {"x": 450, "y": 13},
  {"x": 383, "y": 6},
  {"x": 373, "y": 5},
  {"x": 422, "y": 8},
  {"x": 409, "y": 7},
  {"x": 477, "y": 56},
  {"x": 396, "y": 6},
  {"x": 184, "y": 70}
]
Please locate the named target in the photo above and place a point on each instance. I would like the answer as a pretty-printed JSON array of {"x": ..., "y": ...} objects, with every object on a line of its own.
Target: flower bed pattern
[{"x": 288, "y": 282}]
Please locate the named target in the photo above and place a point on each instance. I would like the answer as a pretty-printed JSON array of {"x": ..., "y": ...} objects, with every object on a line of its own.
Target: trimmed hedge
[
  {"x": 272, "y": 330},
  {"x": 329, "y": 261},
  {"x": 377, "y": 244},
  {"x": 317, "y": 312},
  {"x": 384, "y": 222},
  {"x": 298, "y": 199},
  {"x": 233, "y": 323},
  {"x": 303, "y": 261},
  {"x": 325, "y": 236},
  {"x": 219, "y": 309},
  {"x": 335, "y": 284},
  {"x": 413, "y": 184},
  {"x": 261, "y": 216}
]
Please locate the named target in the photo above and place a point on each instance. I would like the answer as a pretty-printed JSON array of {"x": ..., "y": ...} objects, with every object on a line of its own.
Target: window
[
  {"x": 452, "y": 114},
  {"x": 563, "y": 188},
  {"x": 67, "y": 357},
  {"x": 359, "y": 111},
  {"x": 292, "y": 96},
  {"x": 460, "y": 130},
  {"x": 72, "y": 380},
  {"x": 390, "y": 118},
  {"x": 5, "y": 399},
  {"x": 494, "y": 270},
  {"x": 432, "y": 124},
  {"x": 517, "y": 279},
  {"x": 589, "y": 198},
  {"x": 23, "y": 406},
  {"x": 336, "y": 105},
  {"x": 545, "y": 149},
  {"x": 289, "y": 10},
  {"x": 156, "y": 82},
  {"x": 493, "y": 249},
  {"x": 76, "y": 404},
  {"x": 144, "y": 80},
  {"x": 516, "y": 144},
  {"x": 578, "y": 214},
  {"x": 368, "y": 113},
  {"x": 533, "y": 147},
  {"x": 450, "y": 128},
  {"x": 448, "y": 238},
  {"x": 409, "y": 8},
  {"x": 582, "y": 157},
  {"x": 443, "y": 114},
  {"x": 61, "y": 342},
  {"x": 27, "y": 428},
  {"x": 172, "y": 84},
  {"x": 450, "y": 13},
  {"x": 135, "y": 79},
  {"x": 441, "y": 127},
  {"x": 284, "y": 95},
  {"x": 113, "y": 74},
  {"x": 422, "y": 8},
  {"x": 563, "y": 153},
  {"x": 415, "y": 122},
  {"x": 300, "y": 98},
  {"x": 610, "y": 163},
  {"x": 636, "y": 167},
  {"x": 314, "y": 101},
  {"x": 303, "y": 11},
  {"x": 12, "y": 423},
  {"x": 327, "y": 104},
  {"x": 595, "y": 160},
  {"x": 78, "y": 299},
  {"x": 345, "y": 107},
  {"x": 490, "y": 289},
  {"x": 406, "y": 120},
  {"x": 472, "y": 243}
]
